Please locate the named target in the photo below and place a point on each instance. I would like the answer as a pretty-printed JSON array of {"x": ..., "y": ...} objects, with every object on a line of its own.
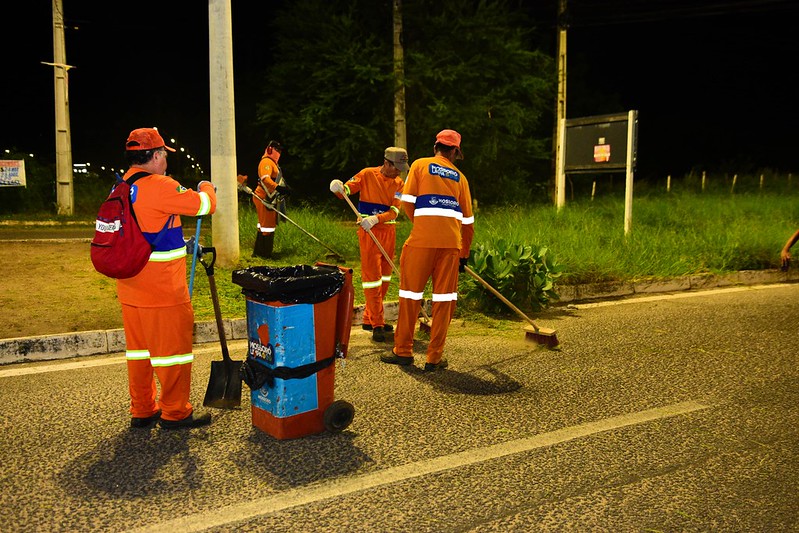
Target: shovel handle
[
  {"x": 382, "y": 250},
  {"x": 496, "y": 293},
  {"x": 220, "y": 327}
]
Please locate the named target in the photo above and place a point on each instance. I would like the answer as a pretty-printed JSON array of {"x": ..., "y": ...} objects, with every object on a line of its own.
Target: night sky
[{"x": 712, "y": 81}]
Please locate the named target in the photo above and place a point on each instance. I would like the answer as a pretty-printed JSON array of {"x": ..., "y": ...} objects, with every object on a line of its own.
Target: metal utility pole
[
  {"x": 560, "y": 119},
  {"x": 400, "y": 136},
  {"x": 223, "y": 133},
  {"x": 65, "y": 195}
]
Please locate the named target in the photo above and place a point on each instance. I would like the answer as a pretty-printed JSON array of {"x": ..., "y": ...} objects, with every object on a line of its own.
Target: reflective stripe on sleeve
[
  {"x": 205, "y": 204},
  {"x": 409, "y": 198},
  {"x": 468, "y": 220},
  {"x": 172, "y": 360}
]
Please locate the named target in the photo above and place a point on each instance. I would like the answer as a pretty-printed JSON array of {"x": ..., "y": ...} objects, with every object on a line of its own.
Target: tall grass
[{"x": 672, "y": 235}]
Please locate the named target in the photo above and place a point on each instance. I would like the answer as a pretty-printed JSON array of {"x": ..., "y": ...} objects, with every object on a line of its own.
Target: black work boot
[
  {"x": 378, "y": 334},
  {"x": 264, "y": 244}
]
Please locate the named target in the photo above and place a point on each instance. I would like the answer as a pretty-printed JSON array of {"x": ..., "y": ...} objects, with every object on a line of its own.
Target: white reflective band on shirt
[
  {"x": 410, "y": 295},
  {"x": 437, "y": 212},
  {"x": 265, "y": 230},
  {"x": 468, "y": 220},
  {"x": 446, "y": 297},
  {"x": 172, "y": 360},
  {"x": 168, "y": 255},
  {"x": 137, "y": 355},
  {"x": 371, "y": 284},
  {"x": 409, "y": 198},
  {"x": 205, "y": 204}
]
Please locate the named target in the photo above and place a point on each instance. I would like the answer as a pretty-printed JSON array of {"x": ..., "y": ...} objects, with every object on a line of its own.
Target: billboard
[
  {"x": 599, "y": 143},
  {"x": 12, "y": 173}
]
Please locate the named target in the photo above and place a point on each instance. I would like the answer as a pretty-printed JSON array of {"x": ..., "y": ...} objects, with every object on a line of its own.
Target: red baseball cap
[
  {"x": 450, "y": 138},
  {"x": 146, "y": 139}
]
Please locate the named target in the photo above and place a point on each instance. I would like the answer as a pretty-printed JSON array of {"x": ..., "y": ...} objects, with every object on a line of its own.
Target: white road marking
[
  {"x": 691, "y": 294},
  {"x": 317, "y": 492}
]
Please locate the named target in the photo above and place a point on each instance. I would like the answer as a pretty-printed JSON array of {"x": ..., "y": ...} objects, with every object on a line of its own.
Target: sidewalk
[{"x": 100, "y": 342}]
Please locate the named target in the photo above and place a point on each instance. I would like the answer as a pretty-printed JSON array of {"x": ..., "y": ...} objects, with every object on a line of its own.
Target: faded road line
[
  {"x": 345, "y": 486},
  {"x": 692, "y": 294},
  {"x": 89, "y": 363}
]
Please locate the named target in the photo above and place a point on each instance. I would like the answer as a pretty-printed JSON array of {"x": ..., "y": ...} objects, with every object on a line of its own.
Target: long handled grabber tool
[
  {"x": 333, "y": 254},
  {"x": 224, "y": 385},
  {"x": 534, "y": 333},
  {"x": 424, "y": 323}
]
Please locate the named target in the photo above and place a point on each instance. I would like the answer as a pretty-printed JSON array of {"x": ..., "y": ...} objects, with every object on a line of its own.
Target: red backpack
[{"x": 119, "y": 248}]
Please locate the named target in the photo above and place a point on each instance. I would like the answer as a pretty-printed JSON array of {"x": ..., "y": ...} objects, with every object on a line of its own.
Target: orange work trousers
[
  {"x": 159, "y": 344},
  {"x": 417, "y": 266},
  {"x": 376, "y": 271},
  {"x": 267, "y": 218}
]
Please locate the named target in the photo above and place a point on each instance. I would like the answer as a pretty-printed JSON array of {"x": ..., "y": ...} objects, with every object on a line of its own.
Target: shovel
[{"x": 224, "y": 385}]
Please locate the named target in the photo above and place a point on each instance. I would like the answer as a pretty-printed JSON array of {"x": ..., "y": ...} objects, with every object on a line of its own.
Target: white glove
[
  {"x": 369, "y": 222},
  {"x": 205, "y": 181},
  {"x": 336, "y": 187}
]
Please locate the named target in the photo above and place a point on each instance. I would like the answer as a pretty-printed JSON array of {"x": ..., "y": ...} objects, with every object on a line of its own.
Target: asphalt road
[{"x": 664, "y": 413}]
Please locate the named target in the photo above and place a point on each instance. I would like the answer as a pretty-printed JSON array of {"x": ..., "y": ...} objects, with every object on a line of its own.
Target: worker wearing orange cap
[
  {"x": 380, "y": 190},
  {"x": 436, "y": 198},
  {"x": 156, "y": 307},
  {"x": 270, "y": 185}
]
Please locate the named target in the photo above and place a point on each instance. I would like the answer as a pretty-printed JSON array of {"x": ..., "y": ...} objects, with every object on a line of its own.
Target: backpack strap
[{"x": 130, "y": 181}]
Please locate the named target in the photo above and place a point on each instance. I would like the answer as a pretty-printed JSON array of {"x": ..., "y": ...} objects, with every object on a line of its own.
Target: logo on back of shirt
[{"x": 444, "y": 172}]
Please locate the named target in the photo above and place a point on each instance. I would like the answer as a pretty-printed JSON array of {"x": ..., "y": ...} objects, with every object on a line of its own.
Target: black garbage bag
[{"x": 291, "y": 284}]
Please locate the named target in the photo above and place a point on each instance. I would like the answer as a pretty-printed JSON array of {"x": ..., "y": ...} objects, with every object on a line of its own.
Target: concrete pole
[
  {"x": 560, "y": 119},
  {"x": 225, "y": 229},
  {"x": 65, "y": 196},
  {"x": 400, "y": 136}
]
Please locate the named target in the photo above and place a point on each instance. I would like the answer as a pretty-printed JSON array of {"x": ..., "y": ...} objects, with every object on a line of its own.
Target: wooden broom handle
[
  {"x": 380, "y": 246},
  {"x": 496, "y": 293}
]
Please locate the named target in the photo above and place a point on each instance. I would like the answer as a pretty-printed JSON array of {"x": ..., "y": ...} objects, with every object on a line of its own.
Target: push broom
[
  {"x": 424, "y": 323},
  {"x": 533, "y": 333}
]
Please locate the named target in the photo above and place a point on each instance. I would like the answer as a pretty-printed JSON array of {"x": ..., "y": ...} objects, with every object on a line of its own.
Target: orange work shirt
[
  {"x": 155, "y": 198},
  {"x": 377, "y": 194}
]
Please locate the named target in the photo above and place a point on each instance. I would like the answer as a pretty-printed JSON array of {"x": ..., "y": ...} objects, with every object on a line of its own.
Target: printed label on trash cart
[{"x": 283, "y": 336}]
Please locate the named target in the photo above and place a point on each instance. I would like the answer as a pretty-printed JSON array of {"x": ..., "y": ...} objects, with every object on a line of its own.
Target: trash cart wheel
[{"x": 338, "y": 416}]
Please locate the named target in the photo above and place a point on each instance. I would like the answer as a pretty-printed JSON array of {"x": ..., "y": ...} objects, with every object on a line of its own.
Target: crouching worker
[
  {"x": 156, "y": 308},
  {"x": 380, "y": 191}
]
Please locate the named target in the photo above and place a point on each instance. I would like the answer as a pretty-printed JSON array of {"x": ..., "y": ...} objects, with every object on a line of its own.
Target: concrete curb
[{"x": 101, "y": 342}]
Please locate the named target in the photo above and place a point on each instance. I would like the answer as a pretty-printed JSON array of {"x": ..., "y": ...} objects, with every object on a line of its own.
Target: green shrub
[{"x": 524, "y": 274}]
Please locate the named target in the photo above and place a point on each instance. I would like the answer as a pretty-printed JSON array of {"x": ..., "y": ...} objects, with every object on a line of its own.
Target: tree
[{"x": 469, "y": 66}]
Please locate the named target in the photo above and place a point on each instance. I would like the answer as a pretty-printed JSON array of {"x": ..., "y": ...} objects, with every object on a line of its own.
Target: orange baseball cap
[
  {"x": 146, "y": 139},
  {"x": 450, "y": 138}
]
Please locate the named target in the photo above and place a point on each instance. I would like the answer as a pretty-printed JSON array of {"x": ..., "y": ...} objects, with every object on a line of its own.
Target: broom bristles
[{"x": 544, "y": 336}]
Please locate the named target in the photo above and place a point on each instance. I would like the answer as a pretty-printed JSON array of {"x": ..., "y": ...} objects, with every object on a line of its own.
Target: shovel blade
[{"x": 224, "y": 385}]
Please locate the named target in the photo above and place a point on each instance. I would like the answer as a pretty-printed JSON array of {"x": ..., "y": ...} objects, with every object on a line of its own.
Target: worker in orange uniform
[
  {"x": 437, "y": 200},
  {"x": 380, "y": 190},
  {"x": 156, "y": 308},
  {"x": 270, "y": 185}
]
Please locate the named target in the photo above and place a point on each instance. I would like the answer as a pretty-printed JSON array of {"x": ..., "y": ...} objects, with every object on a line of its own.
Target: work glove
[
  {"x": 242, "y": 179},
  {"x": 199, "y": 185},
  {"x": 369, "y": 222},
  {"x": 336, "y": 187},
  {"x": 283, "y": 190},
  {"x": 462, "y": 264}
]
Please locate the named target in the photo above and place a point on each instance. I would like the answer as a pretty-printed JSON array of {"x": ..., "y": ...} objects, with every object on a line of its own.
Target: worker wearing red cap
[
  {"x": 156, "y": 308},
  {"x": 270, "y": 184},
  {"x": 380, "y": 190},
  {"x": 436, "y": 198}
]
